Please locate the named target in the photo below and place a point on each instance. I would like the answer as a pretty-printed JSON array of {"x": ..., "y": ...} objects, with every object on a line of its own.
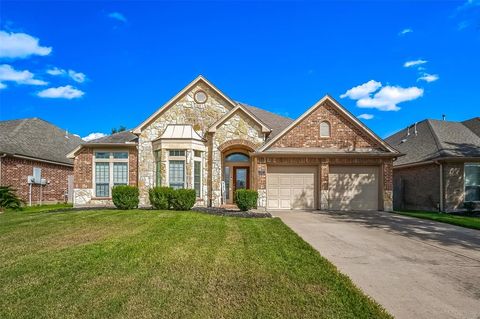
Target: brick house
[
  {"x": 441, "y": 166},
  {"x": 203, "y": 140},
  {"x": 34, "y": 144}
]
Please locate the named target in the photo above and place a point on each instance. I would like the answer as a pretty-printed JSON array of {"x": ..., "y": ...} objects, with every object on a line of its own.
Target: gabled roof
[
  {"x": 339, "y": 108},
  {"x": 37, "y": 139},
  {"x": 125, "y": 138},
  {"x": 435, "y": 139},
  {"x": 239, "y": 108},
  {"x": 167, "y": 105}
]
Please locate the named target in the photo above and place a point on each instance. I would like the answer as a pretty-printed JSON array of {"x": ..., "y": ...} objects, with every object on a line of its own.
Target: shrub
[
  {"x": 8, "y": 199},
  {"x": 246, "y": 199},
  {"x": 161, "y": 197},
  {"x": 125, "y": 197},
  {"x": 183, "y": 199}
]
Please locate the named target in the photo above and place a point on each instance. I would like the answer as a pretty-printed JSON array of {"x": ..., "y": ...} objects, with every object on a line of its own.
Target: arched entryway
[{"x": 236, "y": 173}]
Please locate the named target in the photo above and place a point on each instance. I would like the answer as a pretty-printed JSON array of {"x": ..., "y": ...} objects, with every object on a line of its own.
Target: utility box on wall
[{"x": 36, "y": 178}]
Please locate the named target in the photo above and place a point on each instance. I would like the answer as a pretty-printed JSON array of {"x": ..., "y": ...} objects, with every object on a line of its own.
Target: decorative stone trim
[{"x": 237, "y": 142}]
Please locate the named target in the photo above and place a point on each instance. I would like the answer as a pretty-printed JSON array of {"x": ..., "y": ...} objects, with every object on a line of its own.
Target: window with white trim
[
  {"x": 176, "y": 174},
  {"x": 472, "y": 182},
  {"x": 197, "y": 177},
  {"x": 324, "y": 129},
  {"x": 176, "y": 153},
  {"x": 111, "y": 168}
]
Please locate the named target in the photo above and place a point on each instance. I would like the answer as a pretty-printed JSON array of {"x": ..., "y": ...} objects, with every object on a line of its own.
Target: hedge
[
  {"x": 125, "y": 197},
  {"x": 246, "y": 199},
  {"x": 161, "y": 197}
]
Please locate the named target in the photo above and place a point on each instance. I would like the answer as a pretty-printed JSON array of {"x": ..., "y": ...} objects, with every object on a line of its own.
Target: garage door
[
  {"x": 291, "y": 187},
  {"x": 353, "y": 188}
]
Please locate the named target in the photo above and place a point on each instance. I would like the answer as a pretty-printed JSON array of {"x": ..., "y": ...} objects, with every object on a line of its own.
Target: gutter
[{"x": 297, "y": 154}]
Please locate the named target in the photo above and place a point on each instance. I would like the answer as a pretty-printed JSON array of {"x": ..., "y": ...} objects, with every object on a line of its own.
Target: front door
[{"x": 241, "y": 178}]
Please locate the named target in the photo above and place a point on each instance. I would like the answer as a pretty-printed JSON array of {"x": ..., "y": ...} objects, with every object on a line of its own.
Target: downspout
[{"x": 440, "y": 165}]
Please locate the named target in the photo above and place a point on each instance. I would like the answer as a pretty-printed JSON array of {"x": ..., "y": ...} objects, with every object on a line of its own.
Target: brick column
[{"x": 324, "y": 169}]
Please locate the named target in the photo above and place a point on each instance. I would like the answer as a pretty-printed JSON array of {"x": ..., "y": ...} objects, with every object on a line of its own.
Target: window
[
  {"x": 177, "y": 153},
  {"x": 226, "y": 178},
  {"x": 177, "y": 174},
  {"x": 237, "y": 157},
  {"x": 472, "y": 182},
  {"x": 111, "y": 168},
  {"x": 158, "y": 169},
  {"x": 120, "y": 174},
  {"x": 197, "y": 153},
  {"x": 102, "y": 155},
  {"x": 120, "y": 155},
  {"x": 102, "y": 179},
  {"x": 324, "y": 129},
  {"x": 197, "y": 176}
]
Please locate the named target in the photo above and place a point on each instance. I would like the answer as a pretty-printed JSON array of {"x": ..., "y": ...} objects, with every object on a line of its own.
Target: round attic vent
[{"x": 200, "y": 97}]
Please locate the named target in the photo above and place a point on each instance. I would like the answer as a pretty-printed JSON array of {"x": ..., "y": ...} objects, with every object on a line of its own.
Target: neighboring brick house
[
  {"x": 203, "y": 140},
  {"x": 33, "y": 143},
  {"x": 441, "y": 166}
]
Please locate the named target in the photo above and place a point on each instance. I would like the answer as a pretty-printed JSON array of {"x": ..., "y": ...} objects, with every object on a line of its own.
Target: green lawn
[
  {"x": 464, "y": 221},
  {"x": 164, "y": 264}
]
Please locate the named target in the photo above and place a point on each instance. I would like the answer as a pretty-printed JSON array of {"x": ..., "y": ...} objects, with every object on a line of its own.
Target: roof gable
[
  {"x": 239, "y": 109},
  {"x": 166, "y": 106},
  {"x": 334, "y": 104}
]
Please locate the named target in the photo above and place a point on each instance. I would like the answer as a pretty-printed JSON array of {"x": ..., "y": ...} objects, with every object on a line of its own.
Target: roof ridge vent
[{"x": 416, "y": 132}]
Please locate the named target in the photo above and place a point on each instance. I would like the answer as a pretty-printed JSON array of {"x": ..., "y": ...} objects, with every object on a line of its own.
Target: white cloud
[
  {"x": 77, "y": 76},
  {"x": 2, "y": 86},
  {"x": 74, "y": 75},
  {"x": 414, "y": 62},
  {"x": 9, "y": 74},
  {"x": 117, "y": 16},
  {"x": 61, "y": 92},
  {"x": 362, "y": 90},
  {"x": 20, "y": 45},
  {"x": 56, "y": 71},
  {"x": 365, "y": 116},
  {"x": 389, "y": 96},
  {"x": 428, "y": 77},
  {"x": 93, "y": 136},
  {"x": 405, "y": 31}
]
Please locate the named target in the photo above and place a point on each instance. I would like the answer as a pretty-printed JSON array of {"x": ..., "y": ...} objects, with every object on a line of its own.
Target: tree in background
[{"x": 120, "y": 129}]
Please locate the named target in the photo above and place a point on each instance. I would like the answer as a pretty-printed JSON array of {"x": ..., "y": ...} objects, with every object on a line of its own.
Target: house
[
  {"x": 34, "y": 147},
  {"x": 203, "y": 140},
  {"x": 441, "y": 168}
]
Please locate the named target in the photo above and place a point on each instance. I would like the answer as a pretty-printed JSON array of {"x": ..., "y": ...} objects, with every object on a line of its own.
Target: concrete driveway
[{"x": 415, "y": 268}]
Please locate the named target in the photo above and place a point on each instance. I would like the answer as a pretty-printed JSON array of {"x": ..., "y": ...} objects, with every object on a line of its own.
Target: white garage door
[
  {"x": 353, "y": 188},
  {"x": 291, "y": 187}
]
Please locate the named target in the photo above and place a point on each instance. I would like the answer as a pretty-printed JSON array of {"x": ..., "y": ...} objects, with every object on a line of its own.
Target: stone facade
[
  {"x": 15, "y": 172},
  {"x": 344, "y": 133},
  {"x": 183, "y": 111}
]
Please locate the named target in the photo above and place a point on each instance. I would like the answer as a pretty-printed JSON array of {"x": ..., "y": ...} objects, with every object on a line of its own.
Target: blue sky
[{"x": 91, "y": 66}]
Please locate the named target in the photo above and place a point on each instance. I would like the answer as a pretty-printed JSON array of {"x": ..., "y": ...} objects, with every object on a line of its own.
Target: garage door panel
[
  {"x": 295, "y": 188},
  {"x": 353, "y": 188}
]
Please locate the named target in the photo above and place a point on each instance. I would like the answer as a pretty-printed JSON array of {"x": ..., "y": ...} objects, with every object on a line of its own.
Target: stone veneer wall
[
  {"x": 385, "y": 173},
  {"x": 184, "y": 111},
  {"x": 238, "y": 126},
  {"x": 344, "y": 133}
]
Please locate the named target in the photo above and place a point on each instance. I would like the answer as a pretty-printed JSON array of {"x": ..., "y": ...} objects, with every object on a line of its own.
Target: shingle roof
[
  {"x": 117, "y": 138},
  {"x": 274, "y": 121},
  {"x": 435, "y": 139},
  {"x": 36, "y": 138}
]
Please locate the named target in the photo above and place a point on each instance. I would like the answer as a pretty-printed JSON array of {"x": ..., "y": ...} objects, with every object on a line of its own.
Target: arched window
[
  {"x": 237, "y": 157},
  {"x": 324, "y": 129}
]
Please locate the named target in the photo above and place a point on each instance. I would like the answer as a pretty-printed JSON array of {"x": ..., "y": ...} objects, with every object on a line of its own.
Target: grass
[
  {"x": 44, "y": 208},
  {"x": 164, "y": 264},
  {"x": 464, "y": 221}
]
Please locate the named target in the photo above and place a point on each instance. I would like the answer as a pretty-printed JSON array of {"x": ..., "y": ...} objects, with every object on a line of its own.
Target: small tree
[{"x": 8, "y": 199}]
